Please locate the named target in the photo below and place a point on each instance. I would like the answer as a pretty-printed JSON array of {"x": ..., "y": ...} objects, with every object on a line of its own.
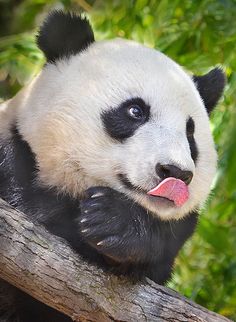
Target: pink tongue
[{"x": 173, "y": 189}]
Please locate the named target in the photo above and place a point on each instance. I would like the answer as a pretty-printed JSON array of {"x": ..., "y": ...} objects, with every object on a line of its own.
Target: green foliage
[
  {"x": 21, "y": 60},
  {"x": 198, "y": 35}
]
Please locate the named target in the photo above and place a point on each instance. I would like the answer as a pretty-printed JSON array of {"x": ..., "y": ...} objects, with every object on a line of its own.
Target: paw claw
[
  {"x": 96, "y": 195},
  {"x": 84, "y": 230},
  {"x": 84, "y": 220}
]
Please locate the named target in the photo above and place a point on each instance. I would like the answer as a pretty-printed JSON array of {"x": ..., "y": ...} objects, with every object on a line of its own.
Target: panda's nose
[{"x": 168, "y": 170}]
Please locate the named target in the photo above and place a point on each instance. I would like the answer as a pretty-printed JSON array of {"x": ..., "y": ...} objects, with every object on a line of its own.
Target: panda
[{"x": 109, "y": 148}]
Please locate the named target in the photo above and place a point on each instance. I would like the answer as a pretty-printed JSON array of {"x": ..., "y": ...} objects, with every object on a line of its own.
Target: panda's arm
[{"x": 125, "y": 232}]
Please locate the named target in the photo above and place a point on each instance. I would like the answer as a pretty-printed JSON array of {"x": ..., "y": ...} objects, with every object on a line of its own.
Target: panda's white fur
[{"x": 59, "y": 115}]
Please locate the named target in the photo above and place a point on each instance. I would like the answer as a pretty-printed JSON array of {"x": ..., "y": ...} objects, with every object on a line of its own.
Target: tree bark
[{"x": 45, "y": 267}]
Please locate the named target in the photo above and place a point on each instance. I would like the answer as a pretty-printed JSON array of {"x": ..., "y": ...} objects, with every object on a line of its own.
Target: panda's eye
[
  {"x": 136, "y": 112},
  {"x": 190, "y": 127},
  {"x": 123, "y": 121}
]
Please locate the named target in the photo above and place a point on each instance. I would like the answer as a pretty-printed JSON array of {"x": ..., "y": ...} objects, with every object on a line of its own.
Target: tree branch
[{"x": 45, "y": 267}]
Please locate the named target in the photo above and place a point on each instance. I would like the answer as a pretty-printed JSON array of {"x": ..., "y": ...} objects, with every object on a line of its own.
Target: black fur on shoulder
[
  {"x": 210, "y": 87},
  {"x": 64, "y": 34}
]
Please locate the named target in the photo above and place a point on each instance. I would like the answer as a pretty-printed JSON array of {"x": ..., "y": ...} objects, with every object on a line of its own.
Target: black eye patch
[
  {"x": 121, "y": 122},
  {"x": 190, "y": 128}
]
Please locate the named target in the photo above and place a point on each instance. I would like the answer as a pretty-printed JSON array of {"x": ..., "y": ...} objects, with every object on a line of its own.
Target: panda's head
[{"x": 118, "y": 114}]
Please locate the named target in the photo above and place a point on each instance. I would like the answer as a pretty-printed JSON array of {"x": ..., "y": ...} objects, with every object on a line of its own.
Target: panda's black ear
[
  {"x": 64, "y": 34},
  {"x": 210, "y": 87}
]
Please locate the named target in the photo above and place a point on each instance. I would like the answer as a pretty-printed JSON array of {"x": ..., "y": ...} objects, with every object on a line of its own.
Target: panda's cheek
[
  {"x": 135, "y": 162},
  {"x": 138, "y": 171}
]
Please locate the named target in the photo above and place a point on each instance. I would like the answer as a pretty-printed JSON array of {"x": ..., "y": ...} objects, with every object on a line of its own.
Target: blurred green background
[{"x": 198, "y": 35}]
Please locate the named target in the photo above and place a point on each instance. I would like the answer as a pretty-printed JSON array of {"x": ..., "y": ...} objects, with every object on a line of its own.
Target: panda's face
[{"x": 124, "y": 116}]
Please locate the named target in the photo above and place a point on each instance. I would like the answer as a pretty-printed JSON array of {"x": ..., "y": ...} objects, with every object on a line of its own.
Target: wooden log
[{"x": 45, "y": 267}]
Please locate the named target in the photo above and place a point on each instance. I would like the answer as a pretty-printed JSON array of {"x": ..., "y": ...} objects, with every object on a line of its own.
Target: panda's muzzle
[
  {"x": 163, "y": 171},
  {"x": 170, "y": 188},
  {"x": 126, "y": 182}
]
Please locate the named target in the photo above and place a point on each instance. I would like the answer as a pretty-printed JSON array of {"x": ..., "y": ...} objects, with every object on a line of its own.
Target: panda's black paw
[{"x": 106, "y": 223}]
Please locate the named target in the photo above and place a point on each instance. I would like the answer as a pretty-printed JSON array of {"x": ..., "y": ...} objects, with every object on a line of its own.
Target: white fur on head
[{"x": 61, "y": 120}]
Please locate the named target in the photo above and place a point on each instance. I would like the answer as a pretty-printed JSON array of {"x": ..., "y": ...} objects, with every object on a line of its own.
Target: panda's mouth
[
  {"x": 154, "y": 199},
  {"x": 126, "y": 182}
]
